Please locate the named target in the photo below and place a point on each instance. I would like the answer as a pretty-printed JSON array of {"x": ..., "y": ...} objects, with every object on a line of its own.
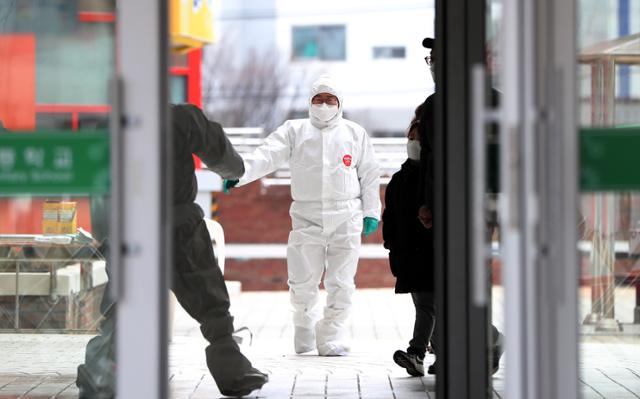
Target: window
[
  {"x": 178, "y": 89},
  {"x": 389, "y": 52},
  {"x": 319, "y": 42}
]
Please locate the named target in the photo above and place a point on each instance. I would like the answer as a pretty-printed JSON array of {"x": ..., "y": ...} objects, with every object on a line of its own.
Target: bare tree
[{"x": 254, "y": 90}]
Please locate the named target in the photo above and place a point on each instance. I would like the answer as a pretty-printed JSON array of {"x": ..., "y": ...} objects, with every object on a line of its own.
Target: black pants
[
  {"x": 199, "y": 286},
  {"x": 197, "y": 280},
  {"x": 425, "y": 322},
  {"x": 424, "y": 329}
]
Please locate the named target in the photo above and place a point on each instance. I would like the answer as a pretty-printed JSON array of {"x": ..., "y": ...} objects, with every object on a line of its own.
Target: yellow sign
[
  {"x": 191, "y": 24},
  {"x": 59, "y": 217}
]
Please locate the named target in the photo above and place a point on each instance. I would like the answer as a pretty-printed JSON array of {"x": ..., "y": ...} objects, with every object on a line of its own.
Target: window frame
[{"x": 388, "y": 52}]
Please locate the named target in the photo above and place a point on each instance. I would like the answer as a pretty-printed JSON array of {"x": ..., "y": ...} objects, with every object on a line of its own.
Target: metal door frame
[
  {"x": 540, "y": 198},
  {"x": 557, "y": 168},
  {"x": 462, "y": 330},
  {"x": 140, "y": 139}
]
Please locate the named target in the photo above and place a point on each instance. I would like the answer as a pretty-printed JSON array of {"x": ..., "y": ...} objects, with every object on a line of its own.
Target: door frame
[
  {"x": 462, "y": 325},
  {"x": 140, "y": 145},
  {"x": 554, "y": 299},
  {"x": 539, "y": 207}
]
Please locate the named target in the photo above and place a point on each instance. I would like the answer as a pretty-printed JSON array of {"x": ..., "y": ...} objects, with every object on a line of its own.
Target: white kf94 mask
[
  {"x": 323, "y": 111},
  {"x": 413, "y": 149}
]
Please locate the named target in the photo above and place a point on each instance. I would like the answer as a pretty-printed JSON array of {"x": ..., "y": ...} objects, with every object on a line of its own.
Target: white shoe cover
[
  {"x": 333, "y": 349},
  {"x": 304, "y": 339}
]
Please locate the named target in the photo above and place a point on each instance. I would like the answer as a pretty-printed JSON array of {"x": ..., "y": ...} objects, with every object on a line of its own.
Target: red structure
[
  {"x": 19, "y": 111},
  {"x": 18, "y": 81}
]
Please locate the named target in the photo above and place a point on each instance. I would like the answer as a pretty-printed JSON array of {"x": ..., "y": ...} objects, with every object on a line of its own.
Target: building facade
[{"x": 373, "y": 48}]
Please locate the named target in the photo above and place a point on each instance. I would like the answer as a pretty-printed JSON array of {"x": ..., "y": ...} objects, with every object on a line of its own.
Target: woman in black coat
[{"x": 410, "y": 247}]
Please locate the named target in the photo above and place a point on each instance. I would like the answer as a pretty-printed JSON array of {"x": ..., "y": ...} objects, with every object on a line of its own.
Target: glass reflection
[{"x": 609, "y": 97}]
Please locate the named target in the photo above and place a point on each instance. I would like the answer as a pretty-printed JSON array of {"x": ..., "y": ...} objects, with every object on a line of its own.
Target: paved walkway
[
  {"x": 381, "y": 322},
  {"x": 43, "y": 365}
]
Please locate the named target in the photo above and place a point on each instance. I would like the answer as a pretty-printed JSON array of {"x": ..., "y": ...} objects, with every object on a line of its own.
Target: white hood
[{"x": 325, "y": 84}]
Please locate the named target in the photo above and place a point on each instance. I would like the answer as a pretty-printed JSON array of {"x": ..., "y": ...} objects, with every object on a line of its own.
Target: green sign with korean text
[
  {"x": 610, "y": 158},
  {"x": 54, "y": 163}
]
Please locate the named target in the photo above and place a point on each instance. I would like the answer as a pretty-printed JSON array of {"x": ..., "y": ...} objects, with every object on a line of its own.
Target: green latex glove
[
  {"x": 370, "y": 225},
  {"x": 228, "y": 184}
]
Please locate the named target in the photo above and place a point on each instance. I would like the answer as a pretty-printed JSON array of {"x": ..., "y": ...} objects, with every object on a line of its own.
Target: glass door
[
  {"x": 57, "y": 61},
  {"x": 65, "y": 207},
  {"x": 568, "y": 220},
  {"x": 524, "y": 146},
  {"x": 608, "y": 103},
  {"x": 566, "y": 76},
  {"x": 538, "y": 181}
]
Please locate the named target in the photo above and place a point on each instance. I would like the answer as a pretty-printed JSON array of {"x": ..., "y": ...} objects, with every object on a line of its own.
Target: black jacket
[
  {"x": 426, "y": 130},
  {"x": 193, "y": 133},
  {"x": 409, "y": 243}
]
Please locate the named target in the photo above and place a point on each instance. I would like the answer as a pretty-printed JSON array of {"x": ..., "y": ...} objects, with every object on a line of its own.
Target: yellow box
[
  {"x": 50, "y": 217},
  {"x": 67, "y": 218},
  {"x": 190, "y": 24},
  {"x": 59, "y": 217}
]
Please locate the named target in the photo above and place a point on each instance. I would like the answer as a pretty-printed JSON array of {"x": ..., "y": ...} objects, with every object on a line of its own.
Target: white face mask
[
  {"x": 432, "y": 69},
  {"x": 413, "y": 149},
  {"x": 323, "y": 111}
]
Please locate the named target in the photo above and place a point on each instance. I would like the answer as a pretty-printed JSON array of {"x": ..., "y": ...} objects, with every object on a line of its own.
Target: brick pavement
[
  {"x": 43, "y": 365},
  {"x": 382, "y": 323}
]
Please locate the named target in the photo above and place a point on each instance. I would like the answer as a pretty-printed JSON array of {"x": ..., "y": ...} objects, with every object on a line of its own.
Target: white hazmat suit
[{"x": 335, "y": 182}]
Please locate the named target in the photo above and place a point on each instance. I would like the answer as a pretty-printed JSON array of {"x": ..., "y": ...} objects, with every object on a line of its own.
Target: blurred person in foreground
[
  {"x": 197, "y": 280},
  {"x": 335, "y": 185}
]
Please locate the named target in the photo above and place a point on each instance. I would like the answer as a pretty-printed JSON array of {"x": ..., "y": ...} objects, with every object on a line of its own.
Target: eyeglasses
[
  {"x": 329, "y": 100},
  {"x": 429, "y": 59}
]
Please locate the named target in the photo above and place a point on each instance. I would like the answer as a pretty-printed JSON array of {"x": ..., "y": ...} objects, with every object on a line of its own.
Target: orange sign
[{"x": 18, "y": 81}]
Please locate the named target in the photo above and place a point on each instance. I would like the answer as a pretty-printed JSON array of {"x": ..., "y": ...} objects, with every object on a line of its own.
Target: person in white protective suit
[{"x": 335, "y": 190}]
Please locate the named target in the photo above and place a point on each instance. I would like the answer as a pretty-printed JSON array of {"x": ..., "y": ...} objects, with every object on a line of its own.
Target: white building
[{"x": 373, "y": 47}]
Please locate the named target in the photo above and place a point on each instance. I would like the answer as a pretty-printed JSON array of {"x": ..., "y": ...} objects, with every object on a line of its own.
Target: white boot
[
  {"x": 304, "y": 339},
  {"x": 334, "y": 348}
]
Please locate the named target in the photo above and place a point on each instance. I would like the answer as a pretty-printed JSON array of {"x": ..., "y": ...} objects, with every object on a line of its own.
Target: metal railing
[{"x": 390, "y": 153}]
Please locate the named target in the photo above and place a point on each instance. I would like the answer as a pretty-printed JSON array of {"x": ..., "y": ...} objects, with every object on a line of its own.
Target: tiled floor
[
  {"x": 381, "y": 323},
  {"x": 43, "y": 365}
]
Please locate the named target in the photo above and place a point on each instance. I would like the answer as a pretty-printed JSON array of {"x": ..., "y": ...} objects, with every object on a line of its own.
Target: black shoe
[
  {"x": 249, "y": 382},
  {"x": 432, "y": 369},
  {"x": 497, "y": 353},
  {"x": 412, "y": 363}
]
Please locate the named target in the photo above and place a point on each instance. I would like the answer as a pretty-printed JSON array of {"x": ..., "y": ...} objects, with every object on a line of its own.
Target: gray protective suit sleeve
[
  {"x": 369, "y": 176},
  {"x": 209, "y": 142}
]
